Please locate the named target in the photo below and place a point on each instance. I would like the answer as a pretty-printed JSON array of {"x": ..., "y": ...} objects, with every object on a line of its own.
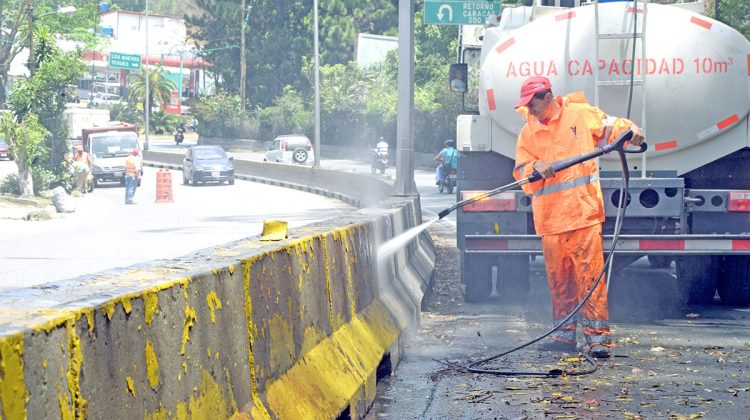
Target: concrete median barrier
[
  {"x": 300, "y": 328},
  {"x": 357, "y": 189}
]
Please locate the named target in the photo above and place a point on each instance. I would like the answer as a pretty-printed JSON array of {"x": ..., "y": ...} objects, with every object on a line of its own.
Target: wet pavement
[{"x": 670, "y": 361}]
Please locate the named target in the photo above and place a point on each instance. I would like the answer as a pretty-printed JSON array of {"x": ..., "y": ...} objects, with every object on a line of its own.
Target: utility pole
[
  {"x": 30, "y": 39},
  {"x": 243, "y": 54},
  {"x": 316, "y": 136},
  {"x": 147, "y": 105},
  {"x": 404, "y": 121}
]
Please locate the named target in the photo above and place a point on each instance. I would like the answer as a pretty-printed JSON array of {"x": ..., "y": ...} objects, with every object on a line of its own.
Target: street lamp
[
  {"x": 30, "y": 35},
  {"x": 243, "y": 54}
]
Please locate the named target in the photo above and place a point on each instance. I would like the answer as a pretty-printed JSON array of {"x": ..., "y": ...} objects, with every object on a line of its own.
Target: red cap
[{"x": 531, "y": 86}]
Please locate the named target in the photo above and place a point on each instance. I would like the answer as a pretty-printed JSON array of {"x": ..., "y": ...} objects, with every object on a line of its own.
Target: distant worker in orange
[
  {"x": 132, "y": 173},
  {"x": 81, "y": 169},
  {"x": 568, "y": 206}
]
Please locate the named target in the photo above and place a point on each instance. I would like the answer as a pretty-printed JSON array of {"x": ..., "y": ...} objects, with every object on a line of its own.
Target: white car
[{"x": 290, "y": 148}]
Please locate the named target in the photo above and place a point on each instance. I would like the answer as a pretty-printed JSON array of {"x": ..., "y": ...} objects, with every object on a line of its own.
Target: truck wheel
[
  {"x": 697, "y": 275},
  {"x": 476, "y": 273},
  {"x": 513, "y": 276},
  {"x": 734, "y": 281},
  {"x": 300, "y": 155}
]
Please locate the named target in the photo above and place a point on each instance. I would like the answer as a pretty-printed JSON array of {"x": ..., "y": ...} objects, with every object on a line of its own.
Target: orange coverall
[{"x": 569, "y": 211}]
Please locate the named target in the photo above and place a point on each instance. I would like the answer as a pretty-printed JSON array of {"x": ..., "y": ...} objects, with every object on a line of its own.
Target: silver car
[{"x": 290, "y": 148}]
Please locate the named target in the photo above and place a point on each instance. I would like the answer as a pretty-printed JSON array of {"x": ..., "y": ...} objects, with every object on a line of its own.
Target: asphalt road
[{"x": 104, "y": 233}]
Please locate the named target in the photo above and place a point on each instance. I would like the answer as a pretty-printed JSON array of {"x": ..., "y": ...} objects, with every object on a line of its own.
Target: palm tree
[{"x": 160, "y": 88}]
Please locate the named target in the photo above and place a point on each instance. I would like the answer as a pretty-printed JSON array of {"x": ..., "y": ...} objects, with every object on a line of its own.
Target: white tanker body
[{"x": 691, "y": 94}]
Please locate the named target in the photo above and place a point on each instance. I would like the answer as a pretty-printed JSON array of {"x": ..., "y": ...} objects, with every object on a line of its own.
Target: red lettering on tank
[
  {"x": 504, "y": 46},
  {"x": 613, "y": 67},
  {"x": 664, "y": 67},
  {"x": 570, "y": 67},
  {"x": 649, "y": 69},
  {"x": 588, "y": 68},
  {"x": 678, "y": 66},
  {"x": 700, "y": 22},
  {"x": 552, "y": 69},
  {"x": 511, "y": 70},
  {"x": 627, "y": 66},
  {"x": 602, "y": 64},
  {"x": 631, "y": 10},
  {"x": 524, "y": 69}
]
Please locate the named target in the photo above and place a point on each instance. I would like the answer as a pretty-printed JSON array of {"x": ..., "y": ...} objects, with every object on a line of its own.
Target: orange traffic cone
[{"x": 164, "y": 186}]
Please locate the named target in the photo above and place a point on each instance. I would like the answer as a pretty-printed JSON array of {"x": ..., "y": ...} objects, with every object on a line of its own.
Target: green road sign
[
  {"x": 124, "y": 61},
  {"x": 459, "y": 12}
]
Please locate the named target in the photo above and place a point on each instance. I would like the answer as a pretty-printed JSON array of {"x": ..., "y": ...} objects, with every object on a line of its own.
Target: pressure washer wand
[{"x": 617, "y": 145}]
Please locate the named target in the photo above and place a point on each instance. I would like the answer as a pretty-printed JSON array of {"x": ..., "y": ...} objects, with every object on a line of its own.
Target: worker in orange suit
[{"x": 568, "y": 206}]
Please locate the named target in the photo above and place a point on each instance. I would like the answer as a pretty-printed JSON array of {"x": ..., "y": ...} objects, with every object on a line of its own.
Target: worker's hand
[
  {"x": 545, "y": 169},
  {"x": 637, "y": 138}
]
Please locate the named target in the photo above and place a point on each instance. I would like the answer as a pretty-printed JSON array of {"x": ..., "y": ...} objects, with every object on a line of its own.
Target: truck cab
[{"x": 109, "y": 146}]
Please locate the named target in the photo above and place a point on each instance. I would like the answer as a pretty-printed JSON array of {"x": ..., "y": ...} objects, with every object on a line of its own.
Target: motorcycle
[
  {"x": 448, "y": 182},
  {"x": 179, "y": 136},
  {"x": 379, "y": 162}
]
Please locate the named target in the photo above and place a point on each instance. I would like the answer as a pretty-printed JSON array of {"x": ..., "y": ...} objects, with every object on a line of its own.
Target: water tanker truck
[{"x": 689, "y": 195}]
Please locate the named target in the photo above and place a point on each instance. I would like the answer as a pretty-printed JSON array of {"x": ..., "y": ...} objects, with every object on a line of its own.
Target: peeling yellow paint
[
  {"x": 152, "y": 365},
  {"x": 126, "y": 306},
  {"x": 210, "y": 403},
  {"x": 328, "y": 280},
  {"x": 208, "y": 351},
  {"x": 190, "y": 318},
  {"x": 312, "y": 336},
  {"x": 281, "y": 343},
  {"x": 213, "y": 303},
  {"x": 44, "y": 363},
  {"x": 258, "y": 407},
  {"x": 131, "y": 385},
  {"x": 160, "y": 414},
  {"x": 336, "y": 369},
  {"x": 184, "y": 366},
  {"x": 78, "y": 405},
  {"x": 89, "y": 313},
  {"x": 13, "y": 392},
  {"x": 108, "y": 308},
  {"x": 151, "y": 305},
  {"x": 232, "y": 400},
  {"x": 231, "y": 269}
]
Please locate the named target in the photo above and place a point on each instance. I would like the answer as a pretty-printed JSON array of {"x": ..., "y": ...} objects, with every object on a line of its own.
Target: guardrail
[{"x": 357, "y": 189}]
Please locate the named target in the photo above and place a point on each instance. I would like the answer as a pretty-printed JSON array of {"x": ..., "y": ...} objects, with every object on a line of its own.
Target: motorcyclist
[
  {"x": 381, "y": 149},
  {"x": 448, "y": 158},
  {"x": 179, "y": 134}
]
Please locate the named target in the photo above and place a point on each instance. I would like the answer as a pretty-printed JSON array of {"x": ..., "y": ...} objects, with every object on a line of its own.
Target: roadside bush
[
  {"x": 288, "y": 115},
  {"x": 45, "y": 179},
  {"x": 9, "y": 185},
  {"x": 163, "y": 123},
  {"x": 221, "y": 115},
  {"x": 123, "y": 111}
]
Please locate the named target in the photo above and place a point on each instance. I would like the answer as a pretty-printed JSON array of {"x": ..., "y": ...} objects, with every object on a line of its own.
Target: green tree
[
  {"x": 46, "y": 95},
  {"x": 14, "y": 27},
  {"x": 221, "y": 115},
  {"x": 160, "y": 88},
  {"x": 25, "y": 139}
]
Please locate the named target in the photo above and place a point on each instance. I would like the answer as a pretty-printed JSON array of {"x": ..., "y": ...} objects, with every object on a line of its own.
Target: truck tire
[
  {"x": 476, "y": 273},
  {"x": 734, "y": 281},
  {"x": 299, "y": 155},
  {"x": 513, "y": 276},
  {"x": 697, "y": 275}
]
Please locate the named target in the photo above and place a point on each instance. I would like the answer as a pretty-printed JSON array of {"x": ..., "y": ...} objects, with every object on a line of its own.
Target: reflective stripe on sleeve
[{"x": 566, "y": 185}]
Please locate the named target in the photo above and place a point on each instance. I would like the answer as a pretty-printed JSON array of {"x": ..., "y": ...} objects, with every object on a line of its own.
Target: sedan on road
[{"x": 207, "y": 164}]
